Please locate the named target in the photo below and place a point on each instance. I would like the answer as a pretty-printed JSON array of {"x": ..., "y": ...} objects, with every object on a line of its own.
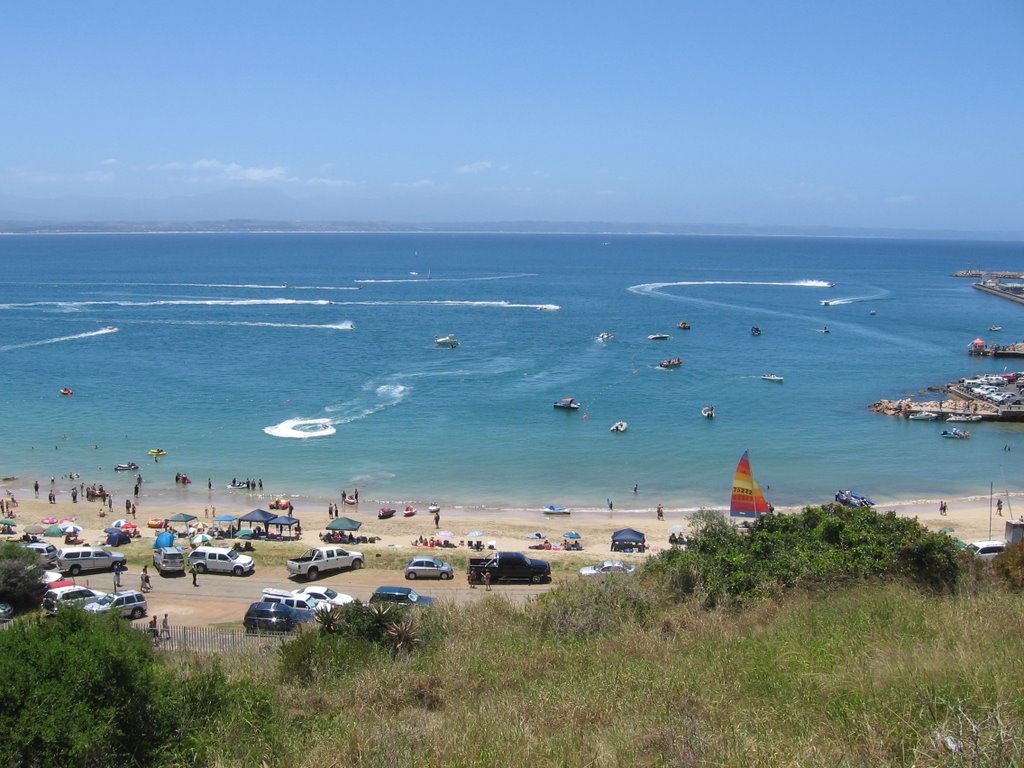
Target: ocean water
[{"x": 309, "y": 361}]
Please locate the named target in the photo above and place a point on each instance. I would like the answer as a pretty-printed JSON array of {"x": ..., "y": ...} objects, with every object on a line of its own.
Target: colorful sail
[{"x": 747, "y": 499}]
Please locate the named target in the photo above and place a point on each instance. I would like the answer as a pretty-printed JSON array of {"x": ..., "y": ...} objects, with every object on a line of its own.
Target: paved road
[{"x": 223, "y": 599}]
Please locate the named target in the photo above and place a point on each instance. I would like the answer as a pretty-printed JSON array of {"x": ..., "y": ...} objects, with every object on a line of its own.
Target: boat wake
[
  {"x": 376, "y": 399},
  {"x": 343, "y": 325},
  {"x": 58, "y": 339},
  {"x": 72, "y": 306},
  {"x": 450, "y": 303},
  {"x": 252, "y": 286},
  {"x": 653, "y": 288},
  {"x": 420, "y": 279},
  {"x": 853, "y": 299},
  {"x": 301, "y": 428}
]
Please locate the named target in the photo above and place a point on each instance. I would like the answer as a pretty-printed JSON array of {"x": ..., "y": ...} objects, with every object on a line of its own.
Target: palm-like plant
[
  {"x": 329, "y": 620},
  {"x": 403, "y": 635}
]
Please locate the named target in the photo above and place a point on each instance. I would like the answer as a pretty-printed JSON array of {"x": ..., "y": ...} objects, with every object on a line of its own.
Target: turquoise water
[{"x": 221, "y": 337}]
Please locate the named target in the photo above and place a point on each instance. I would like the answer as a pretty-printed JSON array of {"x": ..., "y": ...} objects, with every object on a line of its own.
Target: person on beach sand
[{"x": 942, "y": 508}]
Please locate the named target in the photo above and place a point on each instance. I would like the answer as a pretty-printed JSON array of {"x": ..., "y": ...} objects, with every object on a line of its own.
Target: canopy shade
[
  {"x": 258, "y": 516},
  {"x": 284, "y": 521},
  {"x": 344, "y": 524},
  {"x": 181, "y": 517},
  {"x": 224, "y": 519},
  {"x": 628, "y": 536}
]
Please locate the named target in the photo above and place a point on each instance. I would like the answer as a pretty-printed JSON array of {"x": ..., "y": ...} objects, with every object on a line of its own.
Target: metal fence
[{"x": 214, "y": 640}]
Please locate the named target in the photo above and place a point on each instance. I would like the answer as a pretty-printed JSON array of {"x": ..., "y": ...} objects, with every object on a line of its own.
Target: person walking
[
  {"x": 472, "y": 578},
  {"x": 144, "y": 584},
  {"x": 999, "y": 507},
  {"x": 165, "y": 628},
  {"x": 661, "y": 512},
  {"x": 195, "y": 575},
  {"x": 942, "y": 508},
  {"x": 437, "y": 519}
]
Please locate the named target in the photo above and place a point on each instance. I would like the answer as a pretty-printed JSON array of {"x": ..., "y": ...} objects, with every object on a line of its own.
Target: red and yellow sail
[{"x": 747, "y": 499}]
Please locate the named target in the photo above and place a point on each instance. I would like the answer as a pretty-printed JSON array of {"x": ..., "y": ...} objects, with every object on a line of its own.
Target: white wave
[
  {"x": 73, "y": 305},
  {"x": 301, "y": 428},
  {"x": 58, "y": 339},
  {"x": 420, "y": 279}
]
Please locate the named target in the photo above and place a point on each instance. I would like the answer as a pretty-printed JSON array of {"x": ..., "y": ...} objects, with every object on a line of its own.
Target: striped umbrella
[
  {"x": 119, "y": 523},
  {"x": 70, "y": 528}
]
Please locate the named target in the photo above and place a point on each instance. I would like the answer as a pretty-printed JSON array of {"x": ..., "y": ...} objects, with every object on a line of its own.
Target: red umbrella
[{"x": 128, "y": 525}]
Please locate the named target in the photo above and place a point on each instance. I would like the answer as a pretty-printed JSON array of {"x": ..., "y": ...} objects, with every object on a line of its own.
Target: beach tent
[
  {"x": 181, "y": 517},
  {"x": 117, "y": 538},
  {"x": 628, "y": 539},
  {"x": 344, "y": 524},
  {"x": 53, "y": 530},
  {"x": 224, "y": 519},
  {"x": 163, "y": 539},
  {"x": 284, "y": 521},
  {"x": 257, "y": 516}
]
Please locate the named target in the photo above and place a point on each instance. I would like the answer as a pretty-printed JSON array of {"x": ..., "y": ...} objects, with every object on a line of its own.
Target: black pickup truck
[{"x": 509, "y": 566}]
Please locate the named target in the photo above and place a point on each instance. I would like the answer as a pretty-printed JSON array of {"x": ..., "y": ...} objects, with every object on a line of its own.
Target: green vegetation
[
  {"x": 874, "y": 649},
  {"x": 20, "y": 575}
]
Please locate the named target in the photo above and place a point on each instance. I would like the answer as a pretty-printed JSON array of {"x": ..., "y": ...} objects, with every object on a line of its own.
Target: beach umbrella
[
  {"x": 68, "y": 520},
  {"x": 7, "y": 521},
  {"x": 111, "y": 530},
  {"x": 48, "y": 520},
  {"x": 53, "y": 530},
  {"x": 344, "y": 524},
  {"x": 128, "y": 526},
  {"x": 474, "y": 534},
  {"x": 535, "y": 535},
  {"x": 70, "y": 528},
  {"x": 35, "y": 529},
  {"x": 119, "y": 523},
  {"x": 245, "y": 533},
  {"x": 445, "y": 534},
  {"x": 677, "y": 529},
  {"x": 224, "y": 519},
  {"x": 201, "y": 538},
  {"x": 571, "y": 535}
]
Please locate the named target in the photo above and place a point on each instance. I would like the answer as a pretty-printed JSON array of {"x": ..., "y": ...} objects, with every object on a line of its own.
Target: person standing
[
  {"x": 487, "y": 580},
  {"x": 661, "y": 512},
  {"x": 165, "y": 628},
  {"x": 195, "y": 575},
  {"x": 942, "y": 508},
  {"x": 355, "y": 495},
  {"x": 437, "y": 519},
  {"x": 117, "y": 575}
]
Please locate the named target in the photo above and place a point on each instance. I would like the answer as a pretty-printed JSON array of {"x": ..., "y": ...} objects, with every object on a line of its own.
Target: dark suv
[
  {"x": 403, "y": 596},
  {"x": 270, "y": 617}
]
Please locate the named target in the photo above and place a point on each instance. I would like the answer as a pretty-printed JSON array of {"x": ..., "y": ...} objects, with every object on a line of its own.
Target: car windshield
[
  {"x": 106, "y": 600},
  {"x": 330, "y": 594},
  {"x": 413, "y": 597},
  {"x": 232, "y": 555}
]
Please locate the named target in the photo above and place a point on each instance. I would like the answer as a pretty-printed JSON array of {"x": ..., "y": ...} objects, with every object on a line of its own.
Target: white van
[
  {"x": 74, "y": 560},
  {"x": 220, "y": 560}
]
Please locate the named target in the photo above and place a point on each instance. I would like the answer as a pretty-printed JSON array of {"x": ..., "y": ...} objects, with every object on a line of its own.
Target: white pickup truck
[{"x": 315, "y": 561}]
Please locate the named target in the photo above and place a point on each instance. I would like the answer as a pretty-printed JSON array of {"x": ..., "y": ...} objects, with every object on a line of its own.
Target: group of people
[{"x": 423, "y": 541}]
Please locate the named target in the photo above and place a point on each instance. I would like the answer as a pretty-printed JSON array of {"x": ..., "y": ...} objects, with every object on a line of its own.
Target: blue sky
[{"x": 862, "y": 114}]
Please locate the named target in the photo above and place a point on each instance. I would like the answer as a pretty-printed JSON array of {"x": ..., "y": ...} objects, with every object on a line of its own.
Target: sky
[{"x": 866, "y": 113}]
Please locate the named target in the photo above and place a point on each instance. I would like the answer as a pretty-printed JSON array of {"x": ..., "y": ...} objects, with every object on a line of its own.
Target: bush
[
  {"x": 21, "y": 575},
  {"x": 591, "y": 606},
  {"x": 1009, "y": 566}
]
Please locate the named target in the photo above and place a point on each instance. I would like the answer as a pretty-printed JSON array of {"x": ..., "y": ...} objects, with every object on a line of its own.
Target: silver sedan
[{"x": 428, "y": 568}]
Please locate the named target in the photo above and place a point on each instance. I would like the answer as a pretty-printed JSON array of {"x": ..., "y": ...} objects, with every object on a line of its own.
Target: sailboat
[{"x": 747, "y": 499}]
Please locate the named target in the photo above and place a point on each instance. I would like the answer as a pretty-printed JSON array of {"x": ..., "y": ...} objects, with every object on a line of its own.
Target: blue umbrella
[{"x": 571, "y": 535}]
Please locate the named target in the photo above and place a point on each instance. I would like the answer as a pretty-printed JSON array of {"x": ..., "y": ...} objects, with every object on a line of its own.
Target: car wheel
[
  {"x": 410, "y": 576},
  {"x": 137, "y": 613},
  {"x": 201, "y": 567},
  {"x": 537, "y": 578},
  {"x": 445, "y": 575},
  {"x": 237, "y": 570},
  {"x": 74, "y": 570},
  {"x": 357, "y": 564},
  {"x": 312, "y": 573}
]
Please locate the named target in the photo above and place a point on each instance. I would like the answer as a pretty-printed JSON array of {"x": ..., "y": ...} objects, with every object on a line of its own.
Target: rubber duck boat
[
  {"x": 619, "y": 426},
  {"x": 67, "y": 391},
  {"x": 156, "y": 452}
]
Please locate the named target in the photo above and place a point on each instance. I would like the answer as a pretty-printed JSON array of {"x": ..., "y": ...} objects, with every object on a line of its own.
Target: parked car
[
  {"x": 986, "y": 550},
  {"x": 168, "y": 560},
  {"x": 6, "y": 611},
  {"x": 130, "y": 604},
  {"x": 220, "y": 560},
  {"x": 428, "y": 568},
  {"x": 269, "y": 617},
  {"x": 61, "y": 597},
  {"x": 74, "y": 560},
  {"x": 45, "y": 550},
  {"x": 607, "y": 568},
  {"x": 404, "y": 596},
  {"x": 325, "y": 595},
  {"x": 292, "y": 600}
]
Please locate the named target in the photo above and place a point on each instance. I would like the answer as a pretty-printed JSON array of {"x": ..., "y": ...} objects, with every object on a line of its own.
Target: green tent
[
  {"x": 344, "y": 524},
  {"x": 53, "y": 530},
  {"x": 181, "y": 517}
]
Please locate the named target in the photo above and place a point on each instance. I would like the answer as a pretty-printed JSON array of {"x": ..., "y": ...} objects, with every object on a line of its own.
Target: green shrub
[
  {"x": 591, "y": 606},
  {"x": 21, "y": 575},
  {"x": 1009, "y": 566},
  {"x": 314, "y": 656}
]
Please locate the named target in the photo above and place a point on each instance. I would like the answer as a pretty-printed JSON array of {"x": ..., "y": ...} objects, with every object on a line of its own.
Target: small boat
[
  {"x": 409, "y": 511},
  {"x": 447, "y": 341},
  {"x": 350, "y": 499},
  {"x": 551, "y": 509},
  {"x": 923, "y": 416},
  {"x": 658, "y": 337},
  {"x": 130, "y": 466},
  {"x": 772, "y": 377},
  {"x": 826, "y": 303},
  {"x": 956, "y": 434},
  {"x": 965, "y": 417},
  {"x": 156, "y": 452},
  {"x": 851, "y": 499},
  {"x": 605, "y": 336},
  {"x": 683, "y": 325},
  {"x": 674, "y": 362},
  {"x": 434, "y": 508},
  {"x": 620, "y": 426},
  {"x": 708, "y": 411},
  {"x": 872, "y": 312},
  {"x": 995, "y": 328},
  {"x": 755, "y": 331},
  {"x": 824, "y": 329},
  {"x": 67, "y": 391},
  {"x": 830, "y": 285},
  {"x": 155, "y": 522},
  {"x": 235, "y": 485},
  {"x": 567, "y": 404},
  {"x": 386, "y": 513}
]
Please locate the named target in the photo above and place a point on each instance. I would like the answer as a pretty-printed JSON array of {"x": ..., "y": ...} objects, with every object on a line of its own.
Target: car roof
[
  {"x": 265, "y": 606},
  {"x": 393, "y": 591},
  {"x": 993, "y": 543}
]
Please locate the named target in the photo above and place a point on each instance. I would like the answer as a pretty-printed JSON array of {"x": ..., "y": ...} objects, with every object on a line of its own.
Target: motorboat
[
  {"x": 350, "y": 499},
  {"x": 605, "y": 336},
  {"x": 708, "y": 411},
  {"x": 67, "y": 391},
  {"x": 755, "y": 331},
  {"x": 658, "y": 337},
  {"x": 772, "y": 377},
  {"x": 620, "y": 426},
  {"x": 995, "y": 327},
  {"x": 872, "y": 312},
  {"x": 551, "y": 509},
  {"x": 923, "y": 416},
  {"x": 851, "y": 499},
  {"x": 447, "y": 341},
  {"x": 956, "y": 434},
  {"x": 130, "y": 466},
  {"x": 434, "y": 508},
  {"x": 826, "y": 303},
  {"x": 683, "y": 325},
  {"x": 965, "y": 417},
  {"x": 156, "y": 452},
  {"x": 674, "y": 362},
  {"x": 567, "y": 404},
  {"x": 236, "y": 485},
  {"x": 824, "y": 329},
  {"x": 386, "y": 513},
  {"x": 830, "y": 285},
  {"x": 181, "y": 479},
  {"x": 409, "y": 511}
]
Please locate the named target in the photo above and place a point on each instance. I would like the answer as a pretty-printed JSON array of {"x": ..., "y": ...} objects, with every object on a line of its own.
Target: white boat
[
  {"x": 995, "y": 327},
  {"x": 659, "y": 337},
  {"x": 605, "y": 336},
  {"x": 708, "y": 411},
  {"x": 620, "y": 426},
  {"x": 923, "y": 416},
  {"x": 772, "y": 377},
  {"x": 872, "y": 312},
  {"x": 956, "y": 434},
  {"x": 551, "y": 509},
  {"x": 965, "y": 417},
  {"x": 824, "y": 329},
  {"x": 568, "y": 404},
  {"x": 447, "y": 341}
]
